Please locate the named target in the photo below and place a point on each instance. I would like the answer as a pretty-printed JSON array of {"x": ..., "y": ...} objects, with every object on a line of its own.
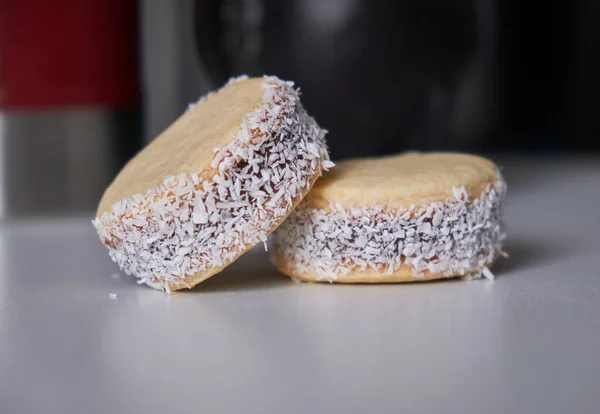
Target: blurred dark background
[
  {"x": 84, "y": 84},
  {"x": 384, "y": 76}
]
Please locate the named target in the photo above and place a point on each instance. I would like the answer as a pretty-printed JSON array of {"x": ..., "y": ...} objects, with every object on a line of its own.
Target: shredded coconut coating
[
  {"x": 458, "y": 236},
  {"x": 186, "y": 224}
]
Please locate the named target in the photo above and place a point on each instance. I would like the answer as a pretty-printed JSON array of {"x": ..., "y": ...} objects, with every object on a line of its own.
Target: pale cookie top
[
  {"x": 401, "y": 180},
  {"x": 187, "y": 145}
]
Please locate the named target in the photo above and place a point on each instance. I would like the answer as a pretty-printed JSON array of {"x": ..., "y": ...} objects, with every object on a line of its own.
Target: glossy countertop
[{"x": 78, "y": 336}]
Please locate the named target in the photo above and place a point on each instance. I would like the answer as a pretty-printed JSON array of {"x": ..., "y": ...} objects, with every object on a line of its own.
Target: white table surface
[{"x": 251, "y": 341}]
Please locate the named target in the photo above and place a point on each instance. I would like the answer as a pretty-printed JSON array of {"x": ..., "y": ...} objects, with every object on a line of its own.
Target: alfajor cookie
[
  {"x": 411, "y": 217},
  {"x": 213, "y": 185}
]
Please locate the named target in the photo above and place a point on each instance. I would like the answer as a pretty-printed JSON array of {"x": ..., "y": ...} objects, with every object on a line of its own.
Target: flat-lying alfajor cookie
[
  {"x": 404, "y": 218},
  {"x": 213, "y": 185}
]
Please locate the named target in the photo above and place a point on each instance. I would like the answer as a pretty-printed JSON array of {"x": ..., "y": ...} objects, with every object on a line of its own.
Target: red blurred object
[{"x": 68, "y": 53}]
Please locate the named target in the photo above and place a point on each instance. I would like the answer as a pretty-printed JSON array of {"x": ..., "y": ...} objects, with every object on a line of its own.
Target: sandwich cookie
[
  {"x": 214, "y": 184},
  {"x": 410, "y": 217}
]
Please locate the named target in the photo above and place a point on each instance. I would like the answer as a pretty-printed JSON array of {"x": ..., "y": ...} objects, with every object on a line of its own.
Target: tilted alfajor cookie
[
  {"x": 213, "y": 185},
  {"x": 410, "y": 217}
]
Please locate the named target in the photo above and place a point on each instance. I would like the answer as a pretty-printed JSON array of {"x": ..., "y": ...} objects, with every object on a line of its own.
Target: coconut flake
[{"x": 487, "y": 273}]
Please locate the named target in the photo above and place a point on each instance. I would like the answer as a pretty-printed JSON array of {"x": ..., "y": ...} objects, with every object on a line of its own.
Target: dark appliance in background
[
  {"x": 388, "y": 76},
  {"x": 382, "y": 76}
]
